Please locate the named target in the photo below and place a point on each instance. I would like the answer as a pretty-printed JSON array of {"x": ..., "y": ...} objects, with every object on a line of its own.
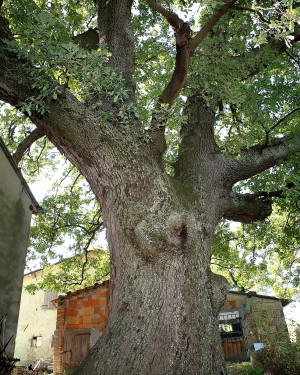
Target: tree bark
[{"x": 164, "y": 300}]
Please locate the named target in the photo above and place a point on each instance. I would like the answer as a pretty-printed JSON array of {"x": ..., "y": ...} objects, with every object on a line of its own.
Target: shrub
[
  {"x": 280, "y": 359},
  {"x": 254, "y": 371}
]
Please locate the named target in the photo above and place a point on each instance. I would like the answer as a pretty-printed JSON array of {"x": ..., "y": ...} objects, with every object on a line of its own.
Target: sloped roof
[
  {"x": 250, "y": 294},
  {"x": 79, "y": 291}
]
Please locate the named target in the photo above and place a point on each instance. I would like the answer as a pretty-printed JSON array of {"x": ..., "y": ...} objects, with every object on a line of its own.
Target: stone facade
[{"x": 257, "y": 316}]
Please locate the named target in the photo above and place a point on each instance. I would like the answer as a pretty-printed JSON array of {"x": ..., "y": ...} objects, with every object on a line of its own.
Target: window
[
  {"x": 231, "y": 332},
  {"x": 48, "y": 297},
  {"x": 36, "y": 341}
]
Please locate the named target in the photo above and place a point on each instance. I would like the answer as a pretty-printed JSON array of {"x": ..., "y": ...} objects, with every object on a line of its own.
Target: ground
[{"x": 241, "y": 368}]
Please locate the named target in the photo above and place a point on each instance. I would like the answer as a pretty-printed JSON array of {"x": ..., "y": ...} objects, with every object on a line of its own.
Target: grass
[{"x": 239, "y": 368}]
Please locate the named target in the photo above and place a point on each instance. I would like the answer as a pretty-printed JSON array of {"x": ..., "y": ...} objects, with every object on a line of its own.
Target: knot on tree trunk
[{"x": 157, "y": 234}]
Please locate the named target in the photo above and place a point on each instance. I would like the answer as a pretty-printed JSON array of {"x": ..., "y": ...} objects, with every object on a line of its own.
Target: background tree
[{"x": 163, "y": 137}]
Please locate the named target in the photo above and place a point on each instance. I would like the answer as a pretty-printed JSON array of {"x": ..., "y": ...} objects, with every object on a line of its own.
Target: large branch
[
  {"x": 26, "y": 143},
  {"x": 246, "y": 208},
  {"x": 258, "y": 158},
  {"x": 185, "y": 46},
  {"x": 114, "y": 26},
  {"x": 88, "y": 40},
  {"x": 182, "y": 36},
  {"x": 63, "y": 123},
  {"x": 197, "y": 143},
  {"x": 194, "y": 43}
]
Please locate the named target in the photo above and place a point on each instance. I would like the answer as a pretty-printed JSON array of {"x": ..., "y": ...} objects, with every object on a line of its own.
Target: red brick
[
  {"x": 94, "y": 302},
  {"x": 102, "y": 318},
  {"x": 97, "y": 310},
  {"x": 103, "y": 302},
  {"x": 232, "y": 304},
  {"x": 86, "y": 319},
  {"x": 72, "y": 320},
  {"x": 74, "y": 326},
  {"x": 72, "y": 312},
  {"x": 73, "y": 304},
  {"x": 86, "y": 311},
  {"x": 103, "y": 292},
  {"x": 95, "y": 320}
]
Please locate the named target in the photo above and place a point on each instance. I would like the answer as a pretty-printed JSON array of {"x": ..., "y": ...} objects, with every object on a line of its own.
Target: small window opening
[{"x": 36, "y": 341}]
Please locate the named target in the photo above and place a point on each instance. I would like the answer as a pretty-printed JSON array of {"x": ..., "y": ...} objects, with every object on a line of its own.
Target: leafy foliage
[
  {"x": 279, "y": 356},
  {"x": 237, "y": 66},
  {"x": 74, "y": 273}
]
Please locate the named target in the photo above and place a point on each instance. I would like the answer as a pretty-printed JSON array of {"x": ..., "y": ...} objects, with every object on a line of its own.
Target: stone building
[
  {"x": 17, "y": 204},
  {"x": 247, "y": 320}
]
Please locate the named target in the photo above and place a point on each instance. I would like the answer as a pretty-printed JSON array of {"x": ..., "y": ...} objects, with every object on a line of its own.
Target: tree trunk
[{"x": 164, "y": 300}]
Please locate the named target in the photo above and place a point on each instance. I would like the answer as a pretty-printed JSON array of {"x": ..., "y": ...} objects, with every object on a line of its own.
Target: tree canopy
[{"x": 249, "y": 64}]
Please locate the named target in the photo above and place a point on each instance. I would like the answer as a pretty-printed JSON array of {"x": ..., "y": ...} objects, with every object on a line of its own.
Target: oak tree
[{"x": 169, "y": 110}]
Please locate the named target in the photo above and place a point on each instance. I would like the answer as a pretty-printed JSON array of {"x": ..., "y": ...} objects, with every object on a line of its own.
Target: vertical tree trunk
[{"x": 164, "y": 300}]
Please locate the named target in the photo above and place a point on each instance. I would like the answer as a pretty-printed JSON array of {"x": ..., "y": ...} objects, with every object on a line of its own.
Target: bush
[
  {"x": 280, "y": 359},
  {"x": 254, "y": 371},
  {"x": 279, "y": 356}
]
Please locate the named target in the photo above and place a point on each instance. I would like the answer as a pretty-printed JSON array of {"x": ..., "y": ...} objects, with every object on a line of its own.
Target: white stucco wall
[{"x": 34, "y": 321}]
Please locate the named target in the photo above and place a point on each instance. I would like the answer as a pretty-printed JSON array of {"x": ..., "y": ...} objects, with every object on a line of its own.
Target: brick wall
[{"x": 83, "y": 310}]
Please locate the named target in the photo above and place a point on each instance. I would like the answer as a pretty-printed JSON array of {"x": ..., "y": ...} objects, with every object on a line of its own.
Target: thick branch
[
  {"x": 89, "y": 40},
  {"x": 26, "y": 143},
  {"x": 210, "y": 24},
  {"x": 62, "y": 124},
  {"x": 182, "y": 36},
  {"x": 185, "y": 46},
  {"x": 197, "y": 146},
  {"x": 114, "y": 25},
  {"x": 246, "y": 208},
  {"x": 258, "y": 158}
]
